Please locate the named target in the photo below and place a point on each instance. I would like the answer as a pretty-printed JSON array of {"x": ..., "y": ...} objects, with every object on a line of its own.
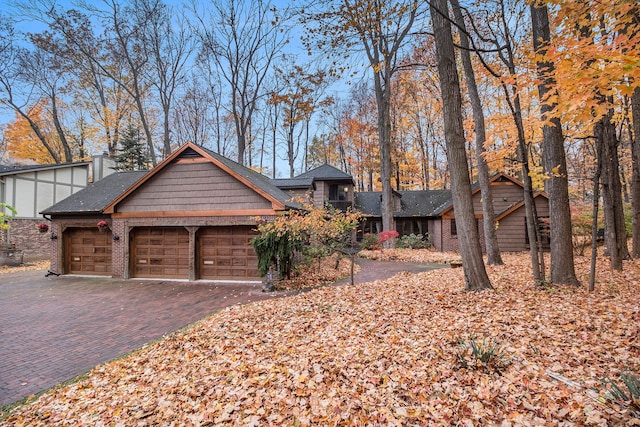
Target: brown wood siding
[
  {"x": 511, "y": 232},
  {"x": 160, "y": 252},
  {"x": 321, "y": 194},
  {"x": 226, "y": 253},
  {"x": 87, "y": 251},
  {"x": 193, "y": 187},
  {"x": 505, "y": 194}
]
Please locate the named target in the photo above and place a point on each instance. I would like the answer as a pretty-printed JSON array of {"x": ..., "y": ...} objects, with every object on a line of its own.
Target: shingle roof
[
  {"x": 10, "y": 170},
  {"x": 423, "y": 203},
  {"x": 96, "y": 196},
  {"x": 293, "y": 183},
  {"x": 326, "y": 173}
]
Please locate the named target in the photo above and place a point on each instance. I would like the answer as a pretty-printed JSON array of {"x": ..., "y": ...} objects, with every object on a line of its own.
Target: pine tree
[{"x": 132, "y": 154}]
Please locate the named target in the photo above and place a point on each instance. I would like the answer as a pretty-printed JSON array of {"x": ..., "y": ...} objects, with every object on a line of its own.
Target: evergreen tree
[{"x": 132, "y": 154}]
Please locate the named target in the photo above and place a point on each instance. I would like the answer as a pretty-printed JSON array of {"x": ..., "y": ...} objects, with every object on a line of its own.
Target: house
[
  {"x": 193, "y": 216},
  {"x": 324, "y": 184},
  {"x": 30, "y": 189},
  {"x": 422, "y": 211},
  {"x": 431, "y": 212}
]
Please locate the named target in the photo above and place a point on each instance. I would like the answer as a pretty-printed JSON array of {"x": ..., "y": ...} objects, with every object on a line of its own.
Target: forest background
[
  {"x": 286, "y": 86},
  {"x": 235, "y": 77}
]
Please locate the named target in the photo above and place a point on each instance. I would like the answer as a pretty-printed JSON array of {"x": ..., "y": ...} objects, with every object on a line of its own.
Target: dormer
[{"x": 331, "y": 185}]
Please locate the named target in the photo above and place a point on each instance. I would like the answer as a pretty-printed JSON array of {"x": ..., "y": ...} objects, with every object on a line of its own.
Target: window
[
  {"x": 338, "y": 192},
  {"x": 454, "y": 229}
]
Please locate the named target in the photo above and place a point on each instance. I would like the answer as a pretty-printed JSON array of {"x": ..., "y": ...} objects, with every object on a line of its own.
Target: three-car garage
[{"x": 221, "y": 253}]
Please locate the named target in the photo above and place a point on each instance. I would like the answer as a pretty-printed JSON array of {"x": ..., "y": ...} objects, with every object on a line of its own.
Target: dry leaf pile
[
  {"x": 411, "y": 255},
  {"x": 382, "y": 353},
  {"x": 318, "y": 273},
  {"x": 35, "y": 265}
]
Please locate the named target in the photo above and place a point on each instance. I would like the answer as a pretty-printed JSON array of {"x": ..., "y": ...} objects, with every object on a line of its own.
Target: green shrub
[
  {"x": 370, "y": 242},
  {"x": 487, "y": 355},
  {"x": 629, "y": 398},
  {"x": 414, "y": 241}
]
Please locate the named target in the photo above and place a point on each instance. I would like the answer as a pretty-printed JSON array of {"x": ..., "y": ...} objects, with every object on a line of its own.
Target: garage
[
  {"x": 160, "y": 252},
  {"x": 225, "y": 253},
  {"x": 87, "y": 251}
]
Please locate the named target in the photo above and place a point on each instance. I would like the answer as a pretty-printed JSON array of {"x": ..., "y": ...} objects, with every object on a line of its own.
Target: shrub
[
  {"x": 414, "y": 241},
  {"x": 487, "y": 355},
  {"x": 387, "y": 236},
  {"x": 370, "y": 242},
  {"x": 301, "y": 235},
  {"x": 629, "y": 398},
  {"x": 7, "y": 213}
]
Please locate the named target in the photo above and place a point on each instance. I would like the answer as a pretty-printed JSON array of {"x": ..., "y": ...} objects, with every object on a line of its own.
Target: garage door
[
  {"x": 87, "y": 251},
  {"x": 160, "y": 252},
  {"x": 225, "y": 253}
]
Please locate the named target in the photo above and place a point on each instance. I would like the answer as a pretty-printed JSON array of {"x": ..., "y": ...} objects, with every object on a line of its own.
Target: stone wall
[{"x": 24, "y": 235}]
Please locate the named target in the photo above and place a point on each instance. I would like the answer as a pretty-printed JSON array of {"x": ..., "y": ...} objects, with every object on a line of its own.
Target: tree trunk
[
  {"x": 476, "y": 277},
  {"x": 382, "y": 86},
  {"x": 555, "y": 163},
  {"x": 635, "y": 183},
  {"x": 615, "y": 234},
  {"x": 488, "y": 220},
  {"x": 594, "y": 218}
]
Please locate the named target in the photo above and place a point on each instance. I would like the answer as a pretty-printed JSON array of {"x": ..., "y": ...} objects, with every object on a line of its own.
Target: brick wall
[
  {"x": 56, "y": 247},
  {"x": 24, "y": 234},
  {"x": 118, "y": 256},
  {"x": 449, "y": 242}
]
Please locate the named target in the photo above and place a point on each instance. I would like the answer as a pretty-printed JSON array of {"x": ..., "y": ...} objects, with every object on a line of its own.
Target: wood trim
[
  {"x": 492, "y": 182},
  {"x": 192, "y": 160},
  {"x": 190, "y": 214},
  {"x": 476, "y": 216},
  {"x": 110, "y": 209},
  {"x": 519, "y": 205}
]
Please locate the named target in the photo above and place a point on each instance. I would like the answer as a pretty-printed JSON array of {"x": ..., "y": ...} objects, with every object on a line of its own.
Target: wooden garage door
[
  {"x": 88, "y": 251},
  {"x": 225, "y": 253},
  {"x": 160, "y": 252}
]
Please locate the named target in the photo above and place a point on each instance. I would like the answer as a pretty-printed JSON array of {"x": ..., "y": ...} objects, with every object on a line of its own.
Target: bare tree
[
  {"x": 476, "y": 277},
  {"x": 299, "y": 96},
  {"x": 489, "y": 221},
  {"x": 380, "y": 29},
  {"x": 46, "y": 76},
  {"x": 242, "y": 39},
  {"x": 170, "y": 44},
  {"x": 22, "y": 86},
  {"x": 192, "y": 114}
]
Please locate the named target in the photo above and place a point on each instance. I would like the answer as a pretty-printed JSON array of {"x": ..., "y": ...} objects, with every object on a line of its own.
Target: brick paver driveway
[{"x": 54, "y": 328}]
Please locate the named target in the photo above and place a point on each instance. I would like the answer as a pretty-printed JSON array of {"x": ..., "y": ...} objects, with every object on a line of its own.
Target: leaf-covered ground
[
  {"x": 28, "y": 266},
  {"x": 382, "y": 353},
  {"x": 317, "y": 273}
]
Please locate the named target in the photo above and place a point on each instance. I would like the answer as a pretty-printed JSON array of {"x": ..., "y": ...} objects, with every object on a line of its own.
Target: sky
[{"x": 338, "y": 90}]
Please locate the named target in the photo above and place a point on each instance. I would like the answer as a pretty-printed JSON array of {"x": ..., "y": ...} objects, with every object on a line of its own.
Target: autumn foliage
[
  {"x": 311, "y": 232},
  {"x": 381, "y": 353}
]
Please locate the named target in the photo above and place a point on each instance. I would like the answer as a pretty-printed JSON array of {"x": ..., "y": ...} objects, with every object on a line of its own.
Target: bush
[
  {"x": 487, "y": 355},
  {"x": 370, "y": 242},
  {"x": 629, "y": 398},
  {"x": 414, "y": 241}
]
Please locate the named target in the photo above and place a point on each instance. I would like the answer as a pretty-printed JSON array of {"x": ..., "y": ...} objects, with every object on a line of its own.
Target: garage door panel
[
  {"x": 88, "y": 251},
  {"x": 226, "y": 253},
  {"x": 160, "y": 252}
]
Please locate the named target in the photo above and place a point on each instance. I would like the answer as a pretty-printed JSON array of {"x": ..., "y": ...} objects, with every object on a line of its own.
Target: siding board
[{"x": 193, "y": 187}]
